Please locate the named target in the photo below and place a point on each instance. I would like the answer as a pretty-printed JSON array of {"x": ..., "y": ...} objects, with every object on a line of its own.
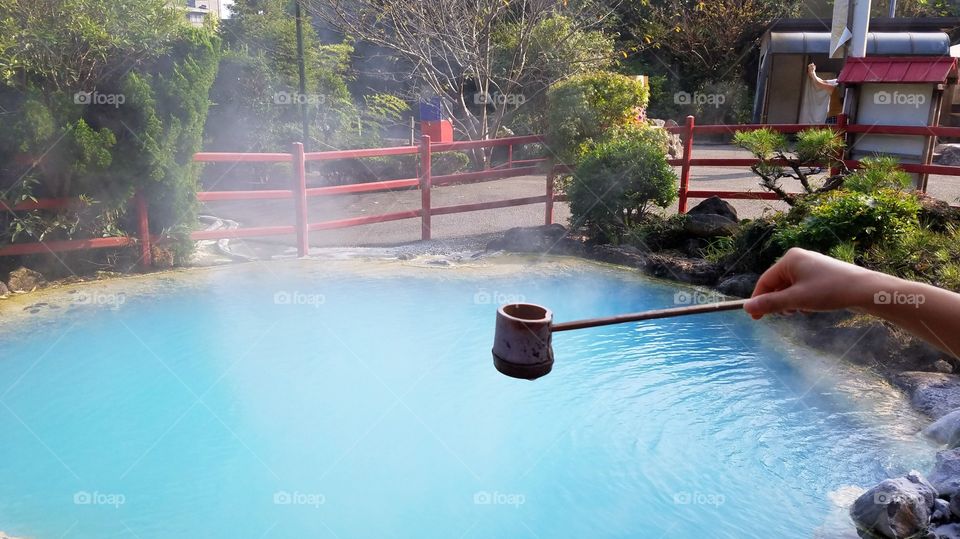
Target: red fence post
[
  {"x": 143, "y": 230},
  {"x": 300, "y": 199},
  {"x": 425, "y": 184},
  {"x": 685, "y": 167},
  {"x": 510, "y": 156},
  {"x": 548, "y": 208},
  {"x": 840, "y": 129}
]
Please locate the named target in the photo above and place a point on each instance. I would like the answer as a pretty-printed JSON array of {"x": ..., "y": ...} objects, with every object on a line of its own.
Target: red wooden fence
[
  {"x": 687, "y": 161},
  {"x": 300, "y": 193}
]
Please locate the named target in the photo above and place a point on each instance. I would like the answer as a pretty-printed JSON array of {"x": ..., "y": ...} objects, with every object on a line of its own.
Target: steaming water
[{"x": 367, "y": 406}]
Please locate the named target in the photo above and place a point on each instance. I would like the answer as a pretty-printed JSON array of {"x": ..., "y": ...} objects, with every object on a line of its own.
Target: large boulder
[
  {"x": 709, "y": 225},
  {"x": 933, "y": 393},
  {"x": 897, "y": 508},
  {"x": 740, "y": 286},
  {"x": 945, "y": 476},
  {"x": 3, "y": 289},
  {"x": 715, "y": 206},
  {"x": 24, "y": 280},
  {"x": 949, "y": 155},
  {"x": 946, "y": 531},
  {"x": 945, "y": 429},
  {"x": 536, "y": 239},
  {"x": 621, "y": 255},
  {"x": 686, "y": 270}
]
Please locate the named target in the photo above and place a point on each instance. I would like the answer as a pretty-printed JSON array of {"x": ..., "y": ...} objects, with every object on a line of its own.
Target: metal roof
[
  {"x": 878, "y": 43},
  {"x": 898, "y": 70}
]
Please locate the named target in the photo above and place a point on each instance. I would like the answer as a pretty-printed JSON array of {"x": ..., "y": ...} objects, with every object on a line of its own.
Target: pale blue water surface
[{"x": 337, "y": 399}]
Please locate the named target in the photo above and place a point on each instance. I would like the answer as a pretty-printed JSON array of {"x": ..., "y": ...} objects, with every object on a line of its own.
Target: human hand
[
  {"x": 812, "y": 68},
  {"x": 808, "y": 281}
]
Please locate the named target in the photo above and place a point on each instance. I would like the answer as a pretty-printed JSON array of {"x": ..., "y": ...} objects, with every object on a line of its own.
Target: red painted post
[
  {"x": 300, "y": 199},
  {"x": 548, "y": 209},
  {"x": 840, "y": 129},
  {"x": 425, "y": 185},
  {"x": 685, "y": 167},
  {"x": 143, "y": 230},
  {"x": 510, "y": 156}
]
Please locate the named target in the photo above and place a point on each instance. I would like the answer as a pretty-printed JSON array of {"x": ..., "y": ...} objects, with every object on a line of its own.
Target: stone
[
  {"x": 941, "y": 511},
  {"x": 895, "y": 508},
  {"x": 621, "y": 255},
  {"x": 24, "y": 280},
  {"x": 946, "y": 531},
  {"x": 686, "y": 270},
  {"x": 945, "y": 476},
  {"x": 937, "y": 214},
  {"x": 536, "y": 239},
  {"x": 944, "y": 429},
  {"x": 740, "y": 286},
  {"x": 933, "y": 393},
  {"x": 949, "y": 155},
  {"x": 942, "y": 365},
  {"x": 3, "y": 289},
  {"x": 709, "y": 225},
  {"x": 716, "y": 206}
]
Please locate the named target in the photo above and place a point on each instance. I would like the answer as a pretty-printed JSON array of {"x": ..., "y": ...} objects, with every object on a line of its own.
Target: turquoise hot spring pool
[{"x": 342, "y": 399}]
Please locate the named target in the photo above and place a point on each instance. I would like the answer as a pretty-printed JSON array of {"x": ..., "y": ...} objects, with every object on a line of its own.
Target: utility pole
[{"x": 301, "y": 66}]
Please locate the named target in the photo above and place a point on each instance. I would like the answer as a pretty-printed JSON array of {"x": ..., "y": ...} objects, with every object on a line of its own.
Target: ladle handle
[{"x": 650, "y": 315}]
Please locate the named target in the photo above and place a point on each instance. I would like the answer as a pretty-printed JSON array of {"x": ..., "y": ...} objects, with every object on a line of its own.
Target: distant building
[{"x": 197, "y": 11}]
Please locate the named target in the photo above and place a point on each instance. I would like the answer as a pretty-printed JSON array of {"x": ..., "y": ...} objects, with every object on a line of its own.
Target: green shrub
[
  {"x": 657, "y": 232},
  {"x": 584, "y": 107},
  {"x": 617, "y": 181},
  {"x": 881, "y": 172},
  {"x": 839, "y": 217}
]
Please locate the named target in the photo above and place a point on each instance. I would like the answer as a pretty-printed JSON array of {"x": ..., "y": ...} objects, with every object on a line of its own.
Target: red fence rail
[
  {"x": 687, "y": 161},
  {"x": 300, "y": 194}
]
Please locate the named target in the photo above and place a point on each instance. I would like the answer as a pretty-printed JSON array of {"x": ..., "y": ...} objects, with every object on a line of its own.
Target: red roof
[{"x": 915, "y": 69}]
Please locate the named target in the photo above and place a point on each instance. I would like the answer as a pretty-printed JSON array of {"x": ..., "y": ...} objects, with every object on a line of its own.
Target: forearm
[{"x": 926, "y": 311}]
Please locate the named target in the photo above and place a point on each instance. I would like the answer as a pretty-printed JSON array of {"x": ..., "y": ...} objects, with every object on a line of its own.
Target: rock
[
  {"x": 715, "y": 206},
  {"x": 933, "y": 393},
  {"x": 941, "y": 510},
  {"x": 24, "y": 280},
  {"x": 944, "y": 429},
  {"x": 945, "y": 476},
  {"x": 740, "y": 286},
  {"x": 942, "y": 365},
  {"x": 946, "y": 531},
  {"x": 694, "y": 247},
  {"x": 709, "y": 225},
  {"x": 674, "y": 142},
  {"x": 955, "y": 506},
  {"x": 686, "y": 270},
  {"x": 949, "y": 155},
  {"x": 936, "y": 214},
  {"x": 3, "y": 289},
  {"x": 623, "y": 255},
  {"x": 536, "y": 239},
  {"x": 895, "y": 508}
]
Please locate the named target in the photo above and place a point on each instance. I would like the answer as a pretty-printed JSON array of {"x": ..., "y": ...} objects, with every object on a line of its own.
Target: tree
[
  {"x": 453, "y": 51},
  {"x": 701, "y": 41}
]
